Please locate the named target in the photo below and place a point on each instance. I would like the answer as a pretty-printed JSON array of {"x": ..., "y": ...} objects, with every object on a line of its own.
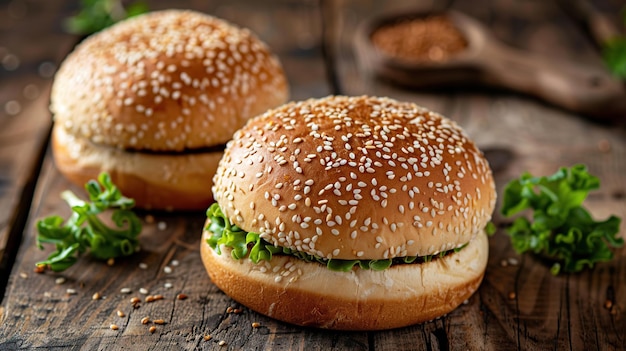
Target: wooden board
[
  {"x": 519, "y": 305},
  {"x": 25, "y": 79}
]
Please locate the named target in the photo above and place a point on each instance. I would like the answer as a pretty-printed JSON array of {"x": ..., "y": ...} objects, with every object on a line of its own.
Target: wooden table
[{"x": 519, "y": 305}]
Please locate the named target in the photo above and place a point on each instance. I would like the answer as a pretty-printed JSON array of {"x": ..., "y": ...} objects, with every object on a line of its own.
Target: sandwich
[
  {"x": 153, "y": 100},
  {"x": 349, "y": 213}
]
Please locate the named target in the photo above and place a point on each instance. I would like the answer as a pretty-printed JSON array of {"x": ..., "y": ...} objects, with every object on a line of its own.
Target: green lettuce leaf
[
  {"x": 561, "y": 229},
  {"x": 254, "y": 247},
  {"x": 85, "y": 231}
]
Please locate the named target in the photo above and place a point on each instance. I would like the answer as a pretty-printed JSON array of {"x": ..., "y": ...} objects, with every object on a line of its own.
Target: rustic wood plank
[
  {"x": 24, "y": 119},
  {"x": 519, "y": 306}
]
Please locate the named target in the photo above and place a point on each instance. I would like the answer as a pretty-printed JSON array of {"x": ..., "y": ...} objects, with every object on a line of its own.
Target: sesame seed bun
[
  {"x": 160, "y": 85},
  {"x": 356, "y": 178},
  {"x": 363, "y": 178}
]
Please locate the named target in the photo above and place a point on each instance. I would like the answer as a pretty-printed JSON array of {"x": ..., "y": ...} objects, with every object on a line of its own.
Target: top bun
[
  {"x": 356, "y": 178},
  {"x": 166, "y": 81}
]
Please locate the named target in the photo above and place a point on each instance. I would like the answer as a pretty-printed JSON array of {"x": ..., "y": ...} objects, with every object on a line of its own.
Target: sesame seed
[{"x": 135, "y": 300}]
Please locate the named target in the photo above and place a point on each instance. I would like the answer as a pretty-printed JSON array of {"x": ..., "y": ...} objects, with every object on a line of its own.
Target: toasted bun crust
[
  {"x": 167, "y": 83},
  {"x": 309, "y": 294},
  {"x": 154, "y": 181},
  {"x": 356, "y": 178}
]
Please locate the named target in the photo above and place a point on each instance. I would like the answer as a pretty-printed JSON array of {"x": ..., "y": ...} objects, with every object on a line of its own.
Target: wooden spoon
[{"x": 485, "y": 61}]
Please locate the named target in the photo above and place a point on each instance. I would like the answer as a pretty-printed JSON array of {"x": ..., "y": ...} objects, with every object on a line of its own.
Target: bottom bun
[
  {"x": 309, "y": 294},
  {"x": 153, "y": 180}
]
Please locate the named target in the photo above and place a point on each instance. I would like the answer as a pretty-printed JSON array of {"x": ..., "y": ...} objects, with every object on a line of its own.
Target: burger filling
[{"x": 248, "y": 244}]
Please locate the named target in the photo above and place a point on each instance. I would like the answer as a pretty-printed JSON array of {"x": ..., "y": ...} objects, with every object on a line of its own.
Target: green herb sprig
[
  {"x": 614, "y": 53},
  {"x": 561, "y": 230},
  {"x": 96, "y": 15},
  {"x": 85, "y": 231}
]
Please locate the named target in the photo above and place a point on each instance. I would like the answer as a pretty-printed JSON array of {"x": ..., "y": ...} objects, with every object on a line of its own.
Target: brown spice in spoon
[{"x": 433, "y": 38}]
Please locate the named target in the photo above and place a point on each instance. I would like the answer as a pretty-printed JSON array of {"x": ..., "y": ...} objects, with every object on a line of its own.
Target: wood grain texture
[
  {"x": 27, "y": 63},
  {"x": 519, "y": 306}
]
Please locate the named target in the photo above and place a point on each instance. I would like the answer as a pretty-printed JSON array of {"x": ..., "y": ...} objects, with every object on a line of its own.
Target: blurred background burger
[{"x": 153, "y": 99}]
